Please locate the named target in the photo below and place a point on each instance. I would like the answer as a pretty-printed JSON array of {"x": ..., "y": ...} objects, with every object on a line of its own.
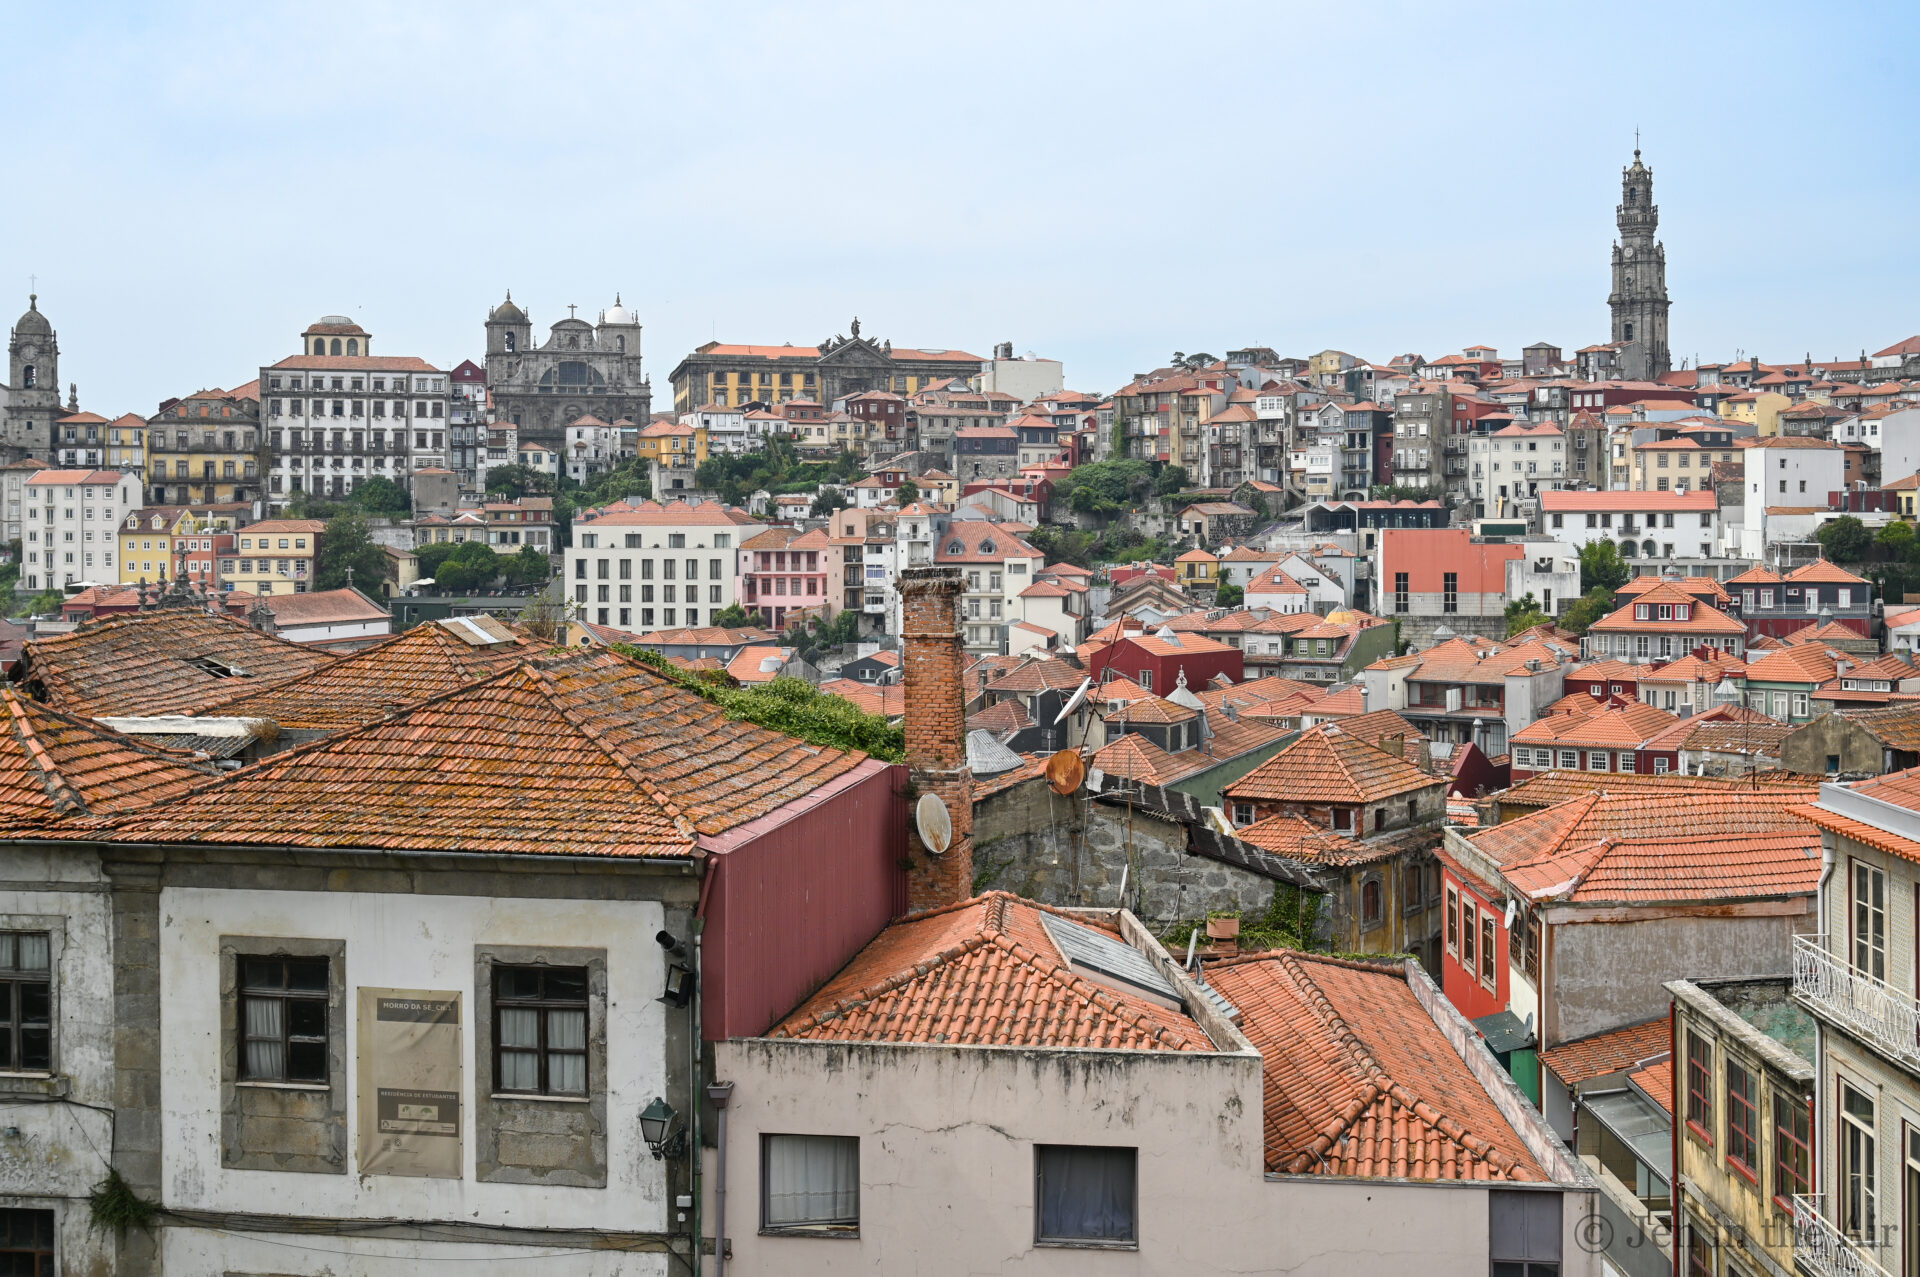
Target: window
[
  {"x": 810, "y": 1183},
  {"x": 1523, "y": 1233},
  {"x": 26, "y": 1001},
  {"x": 1743, "y": 1121},
  {"x": 540, "y": 1030},
  {"x": 1859, "y": 1178},
  {"x": 283, "y": 1020},
  {"x": 1869, "y": 921},
  {"x": 1400, "y": 591},
  {"x": 1370, "y": 910},
  {"x": 1489, "y": 949},
  {"x": 1700, "y": 1087},
  {"x": 1792, "y": 1148},
  {"x": 1450, "y": 591},
  {"x": 1467, "y": 928},
  {"x": 1453, "y": 921},
  {"x": 26, "y": 1242},
  {"x": 1085, "y": 1196}
]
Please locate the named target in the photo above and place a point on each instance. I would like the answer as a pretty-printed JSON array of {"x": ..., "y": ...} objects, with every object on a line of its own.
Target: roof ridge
[
  {"x": 1061, "y": 972},
  {"x": 60, "y": 793},
  {"x": 1380, "y": 1081},
  {"x": 880, "y": 988}
]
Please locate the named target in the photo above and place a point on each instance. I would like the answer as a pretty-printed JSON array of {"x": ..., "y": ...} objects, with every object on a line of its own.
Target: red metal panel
[{"x": 796, "y": 894}]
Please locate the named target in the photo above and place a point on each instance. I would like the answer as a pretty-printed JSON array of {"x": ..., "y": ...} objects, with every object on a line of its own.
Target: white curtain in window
[
  {"x": 812, "y": 1179},
  {"x": 265, "y": 1059},
  {"x": 519, "y": 1069}
]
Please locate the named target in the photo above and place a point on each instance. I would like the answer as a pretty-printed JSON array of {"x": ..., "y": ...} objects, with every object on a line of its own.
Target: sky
[{"x": 1104, "y": 184}]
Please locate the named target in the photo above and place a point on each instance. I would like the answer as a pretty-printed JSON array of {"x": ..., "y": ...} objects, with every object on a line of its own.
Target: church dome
[
  {"x": 33, "y": 323},
  {"x": 507, "y": 313},
  {"x": 618, "y": 314}
]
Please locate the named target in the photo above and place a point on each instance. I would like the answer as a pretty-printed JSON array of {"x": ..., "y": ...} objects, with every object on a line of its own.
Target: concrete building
[
  {"x": 336, "y": 415},
  {"x": 647, "y": 566},
  {"x": 1026, "y": 377},
  {"x": 467, "y": 423},
  {"x": 1642, "y": 525},
  {"x": 1430, "y": 578},
  {"x": 71, "y": 525},
  {"x": 275, "y": 556},
  {"x": 836, "y": 369},
  {"x": 206, "y": 449},
  {"x": 581, "y": 370}
]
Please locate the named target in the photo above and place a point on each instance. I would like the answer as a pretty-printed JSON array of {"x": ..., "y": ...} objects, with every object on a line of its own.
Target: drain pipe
[{"x": 719, "y": 1093}]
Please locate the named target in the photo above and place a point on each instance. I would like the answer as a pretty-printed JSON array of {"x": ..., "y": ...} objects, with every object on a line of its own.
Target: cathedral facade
[
  {"x": 1639, "y": 297},
  {"x": 581, "y": 370}
]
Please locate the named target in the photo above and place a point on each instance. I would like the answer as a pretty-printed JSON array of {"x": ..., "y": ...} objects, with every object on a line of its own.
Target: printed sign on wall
[{"x": 410, "y": 1083}]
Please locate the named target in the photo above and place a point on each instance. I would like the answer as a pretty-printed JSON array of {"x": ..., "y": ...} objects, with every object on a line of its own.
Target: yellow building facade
[
  {"x": 671, "y": 443},
  {"x": 275, "y": 556}
]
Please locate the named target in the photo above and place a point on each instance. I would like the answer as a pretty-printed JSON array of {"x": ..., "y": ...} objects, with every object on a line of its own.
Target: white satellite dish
[
  {"x": 1512, "y": 908},
  {"x": 1074, "y": 701},
  {"x": 935, "y": 825}
]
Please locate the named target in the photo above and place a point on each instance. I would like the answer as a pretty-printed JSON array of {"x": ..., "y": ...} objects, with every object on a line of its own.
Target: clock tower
[
  {"x": 33, "y": 386},
  {"x": 1639, "y": 297}
]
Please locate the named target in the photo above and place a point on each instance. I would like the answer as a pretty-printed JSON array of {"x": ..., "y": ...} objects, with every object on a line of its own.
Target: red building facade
[
  {"x": 1473, "y": 951},
  {"x": 1158, "y": 663}
]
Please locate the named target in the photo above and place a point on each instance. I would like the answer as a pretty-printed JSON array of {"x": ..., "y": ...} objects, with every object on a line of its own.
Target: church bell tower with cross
[{"x": 1639, "y": 298}]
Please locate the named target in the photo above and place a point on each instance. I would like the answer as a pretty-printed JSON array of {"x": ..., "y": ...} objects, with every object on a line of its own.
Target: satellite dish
[
  {"x": 1075, "y": 701},
  {"x": 1512, "y": 908},
  {"x": 935, "y": 825},
  {"x": 1065, "y": 771}
]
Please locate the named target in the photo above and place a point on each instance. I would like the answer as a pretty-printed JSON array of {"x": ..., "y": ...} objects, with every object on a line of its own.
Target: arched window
[
  {"x": 319, "y": 345},
  {"x": 353, "y": 345},
  {"x": 1370, "y": 901},
  {"x": 30, "y": 376},
  {"x": 1649, "y": 549},
  {"x": 512, "y": 342},
  {"x": 955, "y": 547},
  {"x": 336, "y": 346},
  {"x": 1628, "y": 549},
  {"x": 1629, "y": 332}
]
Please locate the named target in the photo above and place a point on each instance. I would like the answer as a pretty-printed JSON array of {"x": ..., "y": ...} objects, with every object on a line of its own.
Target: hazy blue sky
[{"x": 1101, "y": 183}]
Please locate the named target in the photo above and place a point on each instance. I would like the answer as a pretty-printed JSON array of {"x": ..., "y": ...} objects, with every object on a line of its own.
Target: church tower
[
  {"x": 1639, "y": 297},
  {"x": 33, "y": 385}
]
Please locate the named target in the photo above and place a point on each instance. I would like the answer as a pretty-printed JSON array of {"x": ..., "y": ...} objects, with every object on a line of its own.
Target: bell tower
[
  {"x": 1639, "y": 298},
  {"x": 33, "y": 384}
]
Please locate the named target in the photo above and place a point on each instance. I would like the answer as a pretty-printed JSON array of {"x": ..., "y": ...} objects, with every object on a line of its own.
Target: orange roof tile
[
  {"x": 983, "y": 972},
  {"x": 1674, "y": 868},
  {"x": 1614, "y": 1051},
  {"x": 1009, "y": 715},
  {"x": 161, "y": 662},
  {"x": 889, "y": 701},
  {"x": 368, "y": 685},
  {"x": 54, "y": 764},
  {"x": 586, "y": 753},
  {"x": 1327, "y": 765},
  {"x": 1359, "y": 1080},
  {"x": 1612, "y": 724}
]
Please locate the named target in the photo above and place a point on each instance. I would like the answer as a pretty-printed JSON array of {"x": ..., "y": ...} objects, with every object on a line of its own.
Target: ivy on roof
[{"x": 790, "y": 705}]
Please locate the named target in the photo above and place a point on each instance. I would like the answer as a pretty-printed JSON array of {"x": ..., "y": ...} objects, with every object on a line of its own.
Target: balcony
[
  {"x": 1876, "y": 1013},
  {"x": 1819, "y": 1247}
]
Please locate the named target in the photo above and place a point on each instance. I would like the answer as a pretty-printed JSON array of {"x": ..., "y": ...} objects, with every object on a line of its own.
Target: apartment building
[
  {"x": 647, "y": 566},
  {"x": 336, "y": 415},
  {"x": 1642, "y": 525},
  {"x": 275, "y": 556},
  {"x": 205, "y": 448},
  {"x": 997, "y": 566},
  {"x": 70, "y": 526}
]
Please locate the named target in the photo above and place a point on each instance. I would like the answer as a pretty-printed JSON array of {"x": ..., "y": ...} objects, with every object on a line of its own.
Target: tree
[
  {"x": 381, "y": 495},
  {"x": 1170, "y": 480},
  {"x": 734, "y": 617},
  {"x": 1897, "y": 537},
  {"x": 1524, "y": 613},
  {"x": 1601, "y": 567},
  {"x": 345, "y": 546},
  {"x": 907, "y": 493},
  {"x": 516, "y": 481},
  {"x": 1844, "y": 540},
  {"x": 528, "y": 567},
  {"x": 827, "y": 501},
  {"x": 1228, "y": 595},
  {"x": 545, "y": 616},
  {"x": 1590, "y": 607}
]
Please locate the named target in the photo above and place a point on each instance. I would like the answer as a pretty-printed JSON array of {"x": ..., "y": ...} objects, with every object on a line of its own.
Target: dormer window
[
  {"x": 1665, "y": 612},
  {"x": 1681, "y": 611},
  {"x": 1642, "y": 611}
]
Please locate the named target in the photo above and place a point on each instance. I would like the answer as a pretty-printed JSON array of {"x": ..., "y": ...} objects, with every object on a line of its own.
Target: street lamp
[{"x": 657, "y": 1129}]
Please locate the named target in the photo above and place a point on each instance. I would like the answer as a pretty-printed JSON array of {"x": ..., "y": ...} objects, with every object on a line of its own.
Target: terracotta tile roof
[
  {"x": 1009, "y": 715},
  {"x": 1345, "y": 703},
  {"x": 1153, "y": 709},
  {"x": 1117, "y": 690},
  {"x": 1551, "y": 787},
  {"x": 749, "y": 664},
  {"x": 1377, "y": 726},
  {"x": 1614, "y": 1051},
  {"x": 1694, "y": 585},
  {"x": 1701, "y": 619},
  {"x": 1327, "y": 765},
  {"x": 1656, "y": 1080},
  {"x": 1046, "y": 675},
  {"x": 1681, "y": 866},
  {"x": 983, "y": 972},
  {"x": 1183, "y": 645},
  {"x": 1822, "y": 570},
  {"x": 1135, "y": 757},
  {"x": 1710, "y": 666},
  {"x": 1901, "y": 788},
  {"x": 1570, "y": 500},
  {"x": 1802, "y": 663},
  {"x": 366, "y": 686},
  {"x": 160, "y": 662},
  {"x": 1814, "y": 632},
  {"x": 1613, "y": 724},
  {"x": 1609, "y": 670},
  {"x": 1358, "y": 1079},
  {"x": 586, "y": 753},
  {"x": 1297, "y": 838},
  {"x": 1275, "y": 581},
  {"x": 53, "y": 764},
  {"x": 1730, "y": 736},
  {"x": 1255, "y": 691},
  {"x": 707, "y": 635},
  {"x": 1895, "y": 725},
  {"x": 889, "y": 701}
]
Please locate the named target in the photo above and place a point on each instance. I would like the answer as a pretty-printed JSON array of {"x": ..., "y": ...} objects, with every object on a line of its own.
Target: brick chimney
[{"x": 937, "y": 731}]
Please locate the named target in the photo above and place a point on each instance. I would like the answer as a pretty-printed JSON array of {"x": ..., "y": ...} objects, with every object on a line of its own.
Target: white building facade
[
  {"x": 71, "y": 525},
  {"x": 652, "y": 566}
]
